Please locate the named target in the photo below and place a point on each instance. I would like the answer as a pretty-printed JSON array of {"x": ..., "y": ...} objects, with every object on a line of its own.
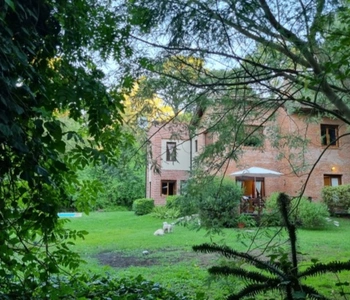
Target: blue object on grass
[{"x": 69, "y": 214}]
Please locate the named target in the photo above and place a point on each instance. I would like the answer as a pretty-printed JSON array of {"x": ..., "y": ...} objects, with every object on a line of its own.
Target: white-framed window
[{"x": 171, "y": 151}]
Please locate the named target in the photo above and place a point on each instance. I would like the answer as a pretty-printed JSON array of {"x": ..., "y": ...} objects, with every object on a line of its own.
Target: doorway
[{"x": 252, "y": 187}]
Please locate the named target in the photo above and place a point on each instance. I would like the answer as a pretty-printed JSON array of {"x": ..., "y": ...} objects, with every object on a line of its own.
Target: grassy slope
[{"x": 123, "y": 231}]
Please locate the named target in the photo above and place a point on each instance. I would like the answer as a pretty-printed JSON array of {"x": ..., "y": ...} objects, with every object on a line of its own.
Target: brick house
[
  {"x": 170, "y": 154},
  {"x": 332, "y": 168}
]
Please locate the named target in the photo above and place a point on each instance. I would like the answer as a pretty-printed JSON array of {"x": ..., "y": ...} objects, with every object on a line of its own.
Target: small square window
[
  {"x": 168, "y": 187},
  {"x": 332, "y": 180},
  {"x": 329, "y": 135},
  {"x": 171, "y": 151}
]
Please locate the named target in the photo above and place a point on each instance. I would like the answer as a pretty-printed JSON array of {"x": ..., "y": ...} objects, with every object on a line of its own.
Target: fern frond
[
  {"x": 320, "y": 268},
  {"x": 312, "y": 293},
  {"x": 242, "y": 273},
  {"x": 230, "y": 253},
  {"x": 252, "y": 290}
]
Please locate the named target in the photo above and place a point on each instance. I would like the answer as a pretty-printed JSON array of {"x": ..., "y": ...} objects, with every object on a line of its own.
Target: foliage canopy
[
  {"x": 47, "y": 66},
  {"x": 283, "y": 49},
  {"x": 257, "y": 56}
]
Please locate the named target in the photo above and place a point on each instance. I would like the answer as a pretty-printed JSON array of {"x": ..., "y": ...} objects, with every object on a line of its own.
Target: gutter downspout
[{"x": 191, "y": 154}]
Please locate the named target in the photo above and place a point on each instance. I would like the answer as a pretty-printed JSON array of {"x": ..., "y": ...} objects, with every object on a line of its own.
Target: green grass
[
  {"x": 328, "y": 245},
  {"x": 178, "y": 267}
]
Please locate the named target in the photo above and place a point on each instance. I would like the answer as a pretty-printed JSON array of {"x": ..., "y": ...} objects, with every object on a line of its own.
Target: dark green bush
[
  {"x": 118, "y": 186},
  {"x": 143, "y": 206},
  {"x": 245, "y": 220},
  {"x": 87, "y": 286},
  {"x": 185, "y": 206},
  {"x": 304, "y": 213},
  {"x": 337, "y": 198},
  {"x": 270, "y": 214},
  {"x": 215, "y": 199}
]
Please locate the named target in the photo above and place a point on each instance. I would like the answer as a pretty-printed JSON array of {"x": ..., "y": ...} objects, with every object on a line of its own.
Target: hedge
[
  {"x": 337, "y": 198},
  {"x": 143, "y": 206}
]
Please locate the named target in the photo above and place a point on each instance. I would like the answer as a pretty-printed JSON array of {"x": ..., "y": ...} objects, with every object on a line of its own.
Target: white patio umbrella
[{"x": 255, "y": 172}]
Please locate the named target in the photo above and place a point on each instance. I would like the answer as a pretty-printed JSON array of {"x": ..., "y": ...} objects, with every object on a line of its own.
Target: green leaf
[
  {"x": 11, "y": 4},
  {"x": 345, "y": 283},
  {"x": 5, "y": 130},
  {"x": 42, "y": 171},
  {"x": 70, "y": 134},
  {"x": 60, "y": 146},
  {"x": 54, "y": 129},
  {"x": 314, "y": 260}
]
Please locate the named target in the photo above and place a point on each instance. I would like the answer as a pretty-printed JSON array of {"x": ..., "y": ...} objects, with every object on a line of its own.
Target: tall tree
[
  {"x": 47, "y": 64},
  {"x": 177, "y": 94},
  {"x": 289, "y": 54},
  {"x": 281, "y": 47},
  {"x": 143, "y": 108}
]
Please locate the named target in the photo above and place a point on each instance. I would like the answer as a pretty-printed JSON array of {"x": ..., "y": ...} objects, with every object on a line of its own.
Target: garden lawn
[
  {"x": 116, "y": 242},
  {"x": 119, "y": 238}
]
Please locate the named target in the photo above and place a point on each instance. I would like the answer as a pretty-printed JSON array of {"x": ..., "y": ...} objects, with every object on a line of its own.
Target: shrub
[
  {"x": 312, "y": 215},
  {"x": 162, "y": 212},
  {"x": 337, "y": 198},
  {"x": 143, "y": 206},
  {"x": 245, "y": 220},
  {"x": 270, "y": 215},
  {"x": 93, "y": 286},
  {"x": 171, "y": 201},
  {"x": 216, "y": 200},
  {"x": 119, "y": 186},
  {"x": 306, "y": 214},
  {"x": 185, "y": 206}
]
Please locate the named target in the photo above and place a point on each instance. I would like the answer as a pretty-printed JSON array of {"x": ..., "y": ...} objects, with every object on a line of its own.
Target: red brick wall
[
  {"x": 154, "y": 187},
  {"x": 293, "y": 180},
  {"x": 156, "y": 134}
]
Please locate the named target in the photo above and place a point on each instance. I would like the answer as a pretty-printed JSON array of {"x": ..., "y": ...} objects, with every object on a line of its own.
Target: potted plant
[{"x": 245, "y": 220}]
